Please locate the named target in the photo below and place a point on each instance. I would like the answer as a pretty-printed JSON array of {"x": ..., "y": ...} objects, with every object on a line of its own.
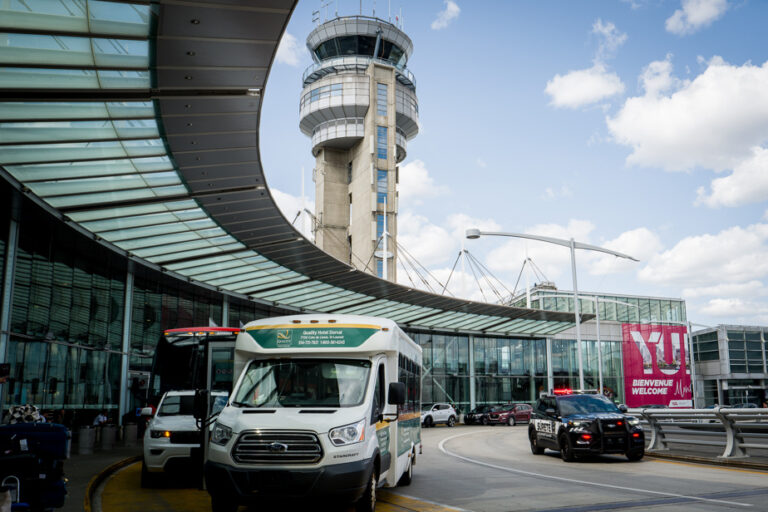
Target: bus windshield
[{"x": 303, "y": 383}]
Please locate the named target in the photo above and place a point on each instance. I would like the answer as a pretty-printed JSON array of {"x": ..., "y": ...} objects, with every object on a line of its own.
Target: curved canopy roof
[{"x": 139, "y": 123}]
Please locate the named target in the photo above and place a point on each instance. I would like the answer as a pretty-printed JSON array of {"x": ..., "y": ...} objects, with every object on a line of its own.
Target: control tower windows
[
  {"x": 381, "y": 186},
  {"x": 381, "y": 142},
  {"x": 360, "y": 45},
  {"x": 381, "y": 99}
]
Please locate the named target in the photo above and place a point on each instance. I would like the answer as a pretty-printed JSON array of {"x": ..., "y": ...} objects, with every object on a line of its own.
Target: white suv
[
  {"x": 172, "y": 434},
  {"x": 438, "y": 413}
]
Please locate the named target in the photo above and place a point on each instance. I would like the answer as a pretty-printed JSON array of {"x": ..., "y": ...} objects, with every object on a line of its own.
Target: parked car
[
  {"x": 478, "y": 415},
  {"x": 172, "y": 436},
  {"x": 510, "y": 414},
  {"x": 438, "y": 413}
]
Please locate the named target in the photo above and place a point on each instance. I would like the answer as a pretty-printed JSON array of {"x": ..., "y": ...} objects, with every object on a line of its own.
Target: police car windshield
[{"x": 585, "y": 404}]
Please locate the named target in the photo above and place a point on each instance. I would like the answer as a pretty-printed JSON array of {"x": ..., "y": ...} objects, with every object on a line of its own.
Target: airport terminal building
[{"x": 133, "y": 200}]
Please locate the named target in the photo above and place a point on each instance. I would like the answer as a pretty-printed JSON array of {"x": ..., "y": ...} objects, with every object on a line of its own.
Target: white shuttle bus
[{"x": 326, "y": 406}]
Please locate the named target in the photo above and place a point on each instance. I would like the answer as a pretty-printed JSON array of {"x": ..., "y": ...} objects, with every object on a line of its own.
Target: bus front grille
[{"x": 277, "y": 447}]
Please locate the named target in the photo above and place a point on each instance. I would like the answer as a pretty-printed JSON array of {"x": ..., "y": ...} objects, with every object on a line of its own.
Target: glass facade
[
  {"x": 67, "y": 316},
  {"x": 612, "y": 308},
  {"x": 381, "y": 99},
  {"x": 381, "y": 187},
  {"x": 360, "y": 45},
  {"x": 381, "y": 142}
]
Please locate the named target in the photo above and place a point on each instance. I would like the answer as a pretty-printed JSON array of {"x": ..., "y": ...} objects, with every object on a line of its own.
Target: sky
[{"x": 637, "y": 125}]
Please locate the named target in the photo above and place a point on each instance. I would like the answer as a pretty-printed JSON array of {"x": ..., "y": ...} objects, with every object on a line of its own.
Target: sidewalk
[{"x": 80, "y": 469}]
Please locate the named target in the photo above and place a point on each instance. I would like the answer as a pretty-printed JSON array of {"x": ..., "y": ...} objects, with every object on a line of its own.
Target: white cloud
[
  {"x": 694, "y": 15},
  {"x": 416, "y": 184},
  {"x": 290, "y": 206},
  {"x": 288, "y": 52},
  {"x": 429, "y": 243},
  {"x": 657, "y": 77},
  {"x": 552, "y": 260},
  {"x": 714, "y": 121},
  {"x": 554, "y": 193},
  {"x": 583, "y": 87},
  {"x": 734, "y": 255},
  {"x": 747, "y": 184},
  {"x": 447, "y": 15},
  {"x": 734, "y": 310},
  {"x": 611, "y": 39},
  {"x": 640, "y": 243},
  {"x": 752, "y": 288}
]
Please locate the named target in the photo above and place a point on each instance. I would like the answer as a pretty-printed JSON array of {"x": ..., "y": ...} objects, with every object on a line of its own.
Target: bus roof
[{"x": 192, "y": 331}]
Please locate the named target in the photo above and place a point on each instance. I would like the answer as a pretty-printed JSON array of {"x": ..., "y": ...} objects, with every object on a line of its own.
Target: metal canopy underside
[{"x": 140, "y": 121}]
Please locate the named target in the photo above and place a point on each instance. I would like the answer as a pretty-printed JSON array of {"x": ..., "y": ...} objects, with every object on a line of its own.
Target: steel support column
[{"x": 125, "y": 357}]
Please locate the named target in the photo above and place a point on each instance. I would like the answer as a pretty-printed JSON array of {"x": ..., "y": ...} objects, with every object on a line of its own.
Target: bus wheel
[
  {"x": 407, "y": 477},
  {"x": 221, "y": 504},
  {"x": 367, "y": 502}
]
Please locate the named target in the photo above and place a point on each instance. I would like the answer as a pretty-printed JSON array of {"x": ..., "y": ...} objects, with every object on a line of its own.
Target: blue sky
[{"x": 637, "y": 125}]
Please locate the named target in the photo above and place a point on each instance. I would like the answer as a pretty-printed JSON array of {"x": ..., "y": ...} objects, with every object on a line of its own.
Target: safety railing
[
  {"x": 354, "y": 63},
  {"x": 737, "y": 431}
]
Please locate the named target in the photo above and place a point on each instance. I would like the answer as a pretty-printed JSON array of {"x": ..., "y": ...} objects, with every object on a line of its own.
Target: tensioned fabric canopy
[{"x": 139, "y": 123}]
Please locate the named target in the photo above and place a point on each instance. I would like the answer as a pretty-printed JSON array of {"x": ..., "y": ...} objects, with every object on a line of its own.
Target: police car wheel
[
  {"x": 635, "y": 456},
  {"x": 566, "y": 449},
  {"x": 485, "y": 420},
  {"x": 535, "y": 448}
]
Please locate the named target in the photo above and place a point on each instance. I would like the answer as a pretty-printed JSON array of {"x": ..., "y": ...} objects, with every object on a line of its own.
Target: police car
[{"x": 584, "y": 423}]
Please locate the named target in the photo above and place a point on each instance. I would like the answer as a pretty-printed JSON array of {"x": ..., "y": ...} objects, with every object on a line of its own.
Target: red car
[{"x": 510, "y": 414}]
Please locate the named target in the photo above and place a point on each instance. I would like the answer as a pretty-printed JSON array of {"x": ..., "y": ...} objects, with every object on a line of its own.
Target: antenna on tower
[{"x": 316, "y": 17}]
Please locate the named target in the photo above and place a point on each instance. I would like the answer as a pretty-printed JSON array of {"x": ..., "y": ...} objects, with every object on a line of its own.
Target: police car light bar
[{"x": 562, "y": 391}]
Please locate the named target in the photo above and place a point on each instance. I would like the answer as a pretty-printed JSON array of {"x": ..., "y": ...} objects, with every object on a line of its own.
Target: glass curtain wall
[
  {"x": 66, "y": 317},
  {"x": 445, "y": 376},
  {"x": 509, "y": 370},
  {"x": 565, "y": 366}
]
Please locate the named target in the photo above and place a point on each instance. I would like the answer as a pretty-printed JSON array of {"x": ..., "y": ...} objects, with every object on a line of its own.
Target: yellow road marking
[
  {"x": 406, "y": 503},
  {"x": 709, "y": 466},
  {"x": 123, "y": 493}
]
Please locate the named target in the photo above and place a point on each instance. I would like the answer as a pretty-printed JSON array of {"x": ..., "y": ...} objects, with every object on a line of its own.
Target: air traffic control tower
[{"x": 359, "y": 107}]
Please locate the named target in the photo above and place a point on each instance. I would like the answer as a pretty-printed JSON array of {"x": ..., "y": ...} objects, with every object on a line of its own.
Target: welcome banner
[{"x": 656, "y": 366}]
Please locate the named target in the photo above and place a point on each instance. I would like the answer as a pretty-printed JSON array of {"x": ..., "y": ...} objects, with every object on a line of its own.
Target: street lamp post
[{"x": 474, "y": 233}]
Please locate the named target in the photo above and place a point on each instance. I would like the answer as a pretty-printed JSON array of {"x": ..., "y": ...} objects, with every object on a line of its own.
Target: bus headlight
[
  {"x": 221, "y": 434},
  {"x": 348, "y": 434}
]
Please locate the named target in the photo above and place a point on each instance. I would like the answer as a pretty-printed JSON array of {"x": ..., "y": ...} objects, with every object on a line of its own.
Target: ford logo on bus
[{"x": 278, "y": 448}]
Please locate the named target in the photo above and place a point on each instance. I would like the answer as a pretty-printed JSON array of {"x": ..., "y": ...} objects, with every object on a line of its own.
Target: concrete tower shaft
[{"x": 359, "y": 107}]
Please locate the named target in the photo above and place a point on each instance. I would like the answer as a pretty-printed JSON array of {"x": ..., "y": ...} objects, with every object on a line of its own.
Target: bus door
[{"x": 221, "y": 361}]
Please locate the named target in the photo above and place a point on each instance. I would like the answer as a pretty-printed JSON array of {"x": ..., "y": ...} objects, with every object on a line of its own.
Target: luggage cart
[{"x": 32, "y": 465}]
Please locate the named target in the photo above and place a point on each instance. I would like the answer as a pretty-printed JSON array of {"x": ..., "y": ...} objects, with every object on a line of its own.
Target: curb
[
  {"x": 101, "y": 476},
  {"x": 738, "y": 463}
]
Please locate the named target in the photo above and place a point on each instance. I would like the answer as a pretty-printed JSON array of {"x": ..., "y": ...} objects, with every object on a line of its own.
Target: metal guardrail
[
  {"x": 325, "y": 67},
  {"x": 736, "y": 430}
]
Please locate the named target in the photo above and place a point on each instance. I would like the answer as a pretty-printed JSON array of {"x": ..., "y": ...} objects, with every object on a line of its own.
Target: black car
[
  {"x": 584, "y": 424},
  {"x": 478, "y": 415}
]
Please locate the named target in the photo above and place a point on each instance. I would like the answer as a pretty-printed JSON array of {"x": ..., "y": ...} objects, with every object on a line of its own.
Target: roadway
[{"x": 491, "y": 469}]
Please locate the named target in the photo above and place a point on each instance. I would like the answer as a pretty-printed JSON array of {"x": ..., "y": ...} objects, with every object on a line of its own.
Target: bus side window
[{"x": 378, "y": 396}]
